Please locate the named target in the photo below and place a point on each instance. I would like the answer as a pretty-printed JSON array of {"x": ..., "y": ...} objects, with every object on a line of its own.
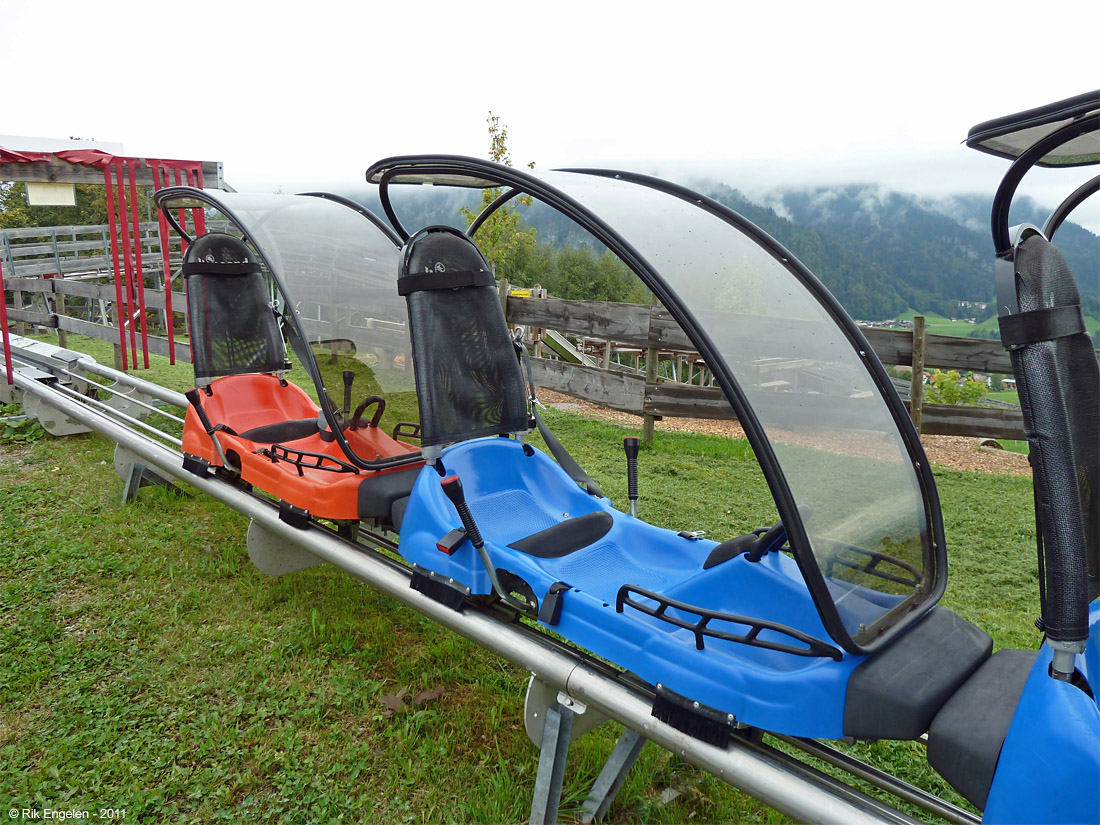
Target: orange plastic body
[{"x": 242, "y": 402}]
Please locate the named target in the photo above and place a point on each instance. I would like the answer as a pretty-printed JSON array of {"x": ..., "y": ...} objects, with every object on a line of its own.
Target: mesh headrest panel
[
  {"x": 468, "y": 378},
  {"x": 1059, "y": 385},
  {"x": 233, "y": 328}
]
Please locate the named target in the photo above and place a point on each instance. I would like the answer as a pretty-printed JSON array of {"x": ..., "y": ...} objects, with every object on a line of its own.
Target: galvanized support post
[
  {"x": 138, "y": 476},
  {"x": 613, "y": 775},
  {"x": 555, "y": 748}
]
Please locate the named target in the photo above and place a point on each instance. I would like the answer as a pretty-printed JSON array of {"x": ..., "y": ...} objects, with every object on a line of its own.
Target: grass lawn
[{"x": 146, "y": 665}]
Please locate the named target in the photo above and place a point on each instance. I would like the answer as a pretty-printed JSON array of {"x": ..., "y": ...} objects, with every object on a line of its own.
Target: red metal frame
[
  {"x": 139, "y": 271},
  {"x": 128, "y": 265},
  {"x": 166, "y": 259},
  {"x": 120, "y": 309},
  {"x": 124, "y": 222}
]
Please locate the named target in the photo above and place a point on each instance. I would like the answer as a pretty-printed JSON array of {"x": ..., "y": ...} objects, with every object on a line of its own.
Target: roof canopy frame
[{"x": 474, "y": 172}]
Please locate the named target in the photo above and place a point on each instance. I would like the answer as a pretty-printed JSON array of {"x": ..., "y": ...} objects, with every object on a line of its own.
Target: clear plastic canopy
[
  {"x": 835, "y": 439},
  {"x": 339, "y": 270}
]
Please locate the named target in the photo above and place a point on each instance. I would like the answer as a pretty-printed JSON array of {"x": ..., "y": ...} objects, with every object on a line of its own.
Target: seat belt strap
[{"x": 557, "y": 449}]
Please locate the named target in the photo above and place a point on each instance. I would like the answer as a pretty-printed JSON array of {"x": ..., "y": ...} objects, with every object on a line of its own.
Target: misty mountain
[
  {"x": 880, "y": 253},
  {"x": 940, "y": 247}
]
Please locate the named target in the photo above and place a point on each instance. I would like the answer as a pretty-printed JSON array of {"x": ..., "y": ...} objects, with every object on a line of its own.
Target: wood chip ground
[{"x": 955, "y": 452}]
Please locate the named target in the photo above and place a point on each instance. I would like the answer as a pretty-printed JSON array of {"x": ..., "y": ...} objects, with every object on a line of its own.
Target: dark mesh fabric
[
  {"x": 233, "y": 329},
  {"x": 468, "y": 378},
  {"x": 1059, "y": 387}
]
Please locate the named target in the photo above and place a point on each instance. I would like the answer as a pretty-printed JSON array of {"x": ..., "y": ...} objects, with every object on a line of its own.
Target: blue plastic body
[
  {"x": 1049, "y": 768},
  {"x": 513, "y": 495}
]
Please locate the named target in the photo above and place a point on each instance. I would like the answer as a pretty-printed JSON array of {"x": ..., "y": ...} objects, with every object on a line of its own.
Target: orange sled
[{"x": 248, "y": 419}]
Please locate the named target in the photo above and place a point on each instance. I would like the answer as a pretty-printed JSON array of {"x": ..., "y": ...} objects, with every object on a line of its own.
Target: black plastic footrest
[{"x": 304, "y": 458}]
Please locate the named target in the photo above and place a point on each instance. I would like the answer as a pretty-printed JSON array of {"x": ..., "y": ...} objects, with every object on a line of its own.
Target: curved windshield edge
[
  {"x": 754, "y": 301},
  {"x": 323, "y": 258},
  {"x": 560, "y": 194}
]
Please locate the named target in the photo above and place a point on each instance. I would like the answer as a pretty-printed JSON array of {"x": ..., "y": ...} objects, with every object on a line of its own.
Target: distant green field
[{"x": 939, "y": 325}]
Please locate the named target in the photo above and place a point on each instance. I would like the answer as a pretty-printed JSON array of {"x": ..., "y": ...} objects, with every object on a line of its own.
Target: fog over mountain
[{"x": 880, "y": 252}]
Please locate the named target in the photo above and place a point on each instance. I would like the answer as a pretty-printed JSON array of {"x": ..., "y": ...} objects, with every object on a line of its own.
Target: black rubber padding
[
  {"x": 397, "y": 512},
  {"x": 282, "y": 431},
  {"x": 567, "y": 537},
  {"x": 965, "y": 739},
  {"x": 294, "y": 516},
  {"x": 194, "y": 464},
  {"x": 729, "y": 549},
  {"x": 449, "y": 595},
  {"x": 377, "y": 493},
  {"x": 896, "y": 693}
]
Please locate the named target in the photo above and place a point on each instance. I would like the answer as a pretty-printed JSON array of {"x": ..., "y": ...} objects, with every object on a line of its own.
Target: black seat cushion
[
  {"x": 397, "y": 512},
  {"x": 567, "y": 537},
  {"x": 377, "y": 493},
  {"x": 896, "y": 693},
  {"x": 282, "y": 431},
  {"x": 965, "y": 738}
]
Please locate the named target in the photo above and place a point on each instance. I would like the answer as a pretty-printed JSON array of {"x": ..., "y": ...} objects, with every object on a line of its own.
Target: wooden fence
[
  {"x": 651, "y": 329},
  {"x": 648, "y": 334}
]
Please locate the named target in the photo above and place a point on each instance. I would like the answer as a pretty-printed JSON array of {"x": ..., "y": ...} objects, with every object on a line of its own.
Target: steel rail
[
  {"x": 882, "y": 780},
  {"x": 106, "y": 409},
  {"x": 172, "y": 397},
  {"x": 777, "y": 780}
]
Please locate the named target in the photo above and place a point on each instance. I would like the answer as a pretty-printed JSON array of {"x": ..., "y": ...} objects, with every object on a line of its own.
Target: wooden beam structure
[{"x": 58, "y": 170}]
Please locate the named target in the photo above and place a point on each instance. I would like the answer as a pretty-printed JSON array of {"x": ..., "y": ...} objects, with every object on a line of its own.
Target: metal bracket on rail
[
  {"x": 136, "y": 473},
  {"x": 273, "y": 555},
  {"x": 553, "y": 719}
]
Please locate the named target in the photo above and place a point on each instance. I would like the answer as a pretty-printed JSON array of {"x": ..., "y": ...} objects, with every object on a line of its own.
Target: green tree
[
  {"x": 504, "y": 232},
  {"x": 950, "y": 388},
  {"x": 90, "y": 209}
]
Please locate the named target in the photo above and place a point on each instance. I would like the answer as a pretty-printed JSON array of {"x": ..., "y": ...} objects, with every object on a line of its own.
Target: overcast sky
[{"x": 759, "y": 95}]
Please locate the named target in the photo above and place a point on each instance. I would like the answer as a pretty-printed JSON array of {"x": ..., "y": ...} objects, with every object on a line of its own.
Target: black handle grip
[
  {"x": 630, "y": 445},
  {"x": 356, "y": 420},
  {"x": 452, "y": 488},
  {"x": 195, "y": 400},
  {"x": 349, "y": 378}
]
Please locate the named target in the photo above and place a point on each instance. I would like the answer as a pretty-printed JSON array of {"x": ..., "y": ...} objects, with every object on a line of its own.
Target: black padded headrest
[
  {"x": 440, "y": 257},
  {"x": 217, "y": 253}
]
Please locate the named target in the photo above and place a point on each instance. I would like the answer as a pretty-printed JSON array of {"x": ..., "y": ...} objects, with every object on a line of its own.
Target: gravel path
[{"x": 956, "y": 452}]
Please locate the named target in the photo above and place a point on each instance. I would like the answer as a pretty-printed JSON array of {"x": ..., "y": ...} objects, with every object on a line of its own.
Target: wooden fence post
[
  {"x": 17, "y": 302},
  {"x": 503, "y": 288},
  {"x": 916, "y": 391},
  {"x": 651, "y": 364},
  {"x": 62, "y": 335}
]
